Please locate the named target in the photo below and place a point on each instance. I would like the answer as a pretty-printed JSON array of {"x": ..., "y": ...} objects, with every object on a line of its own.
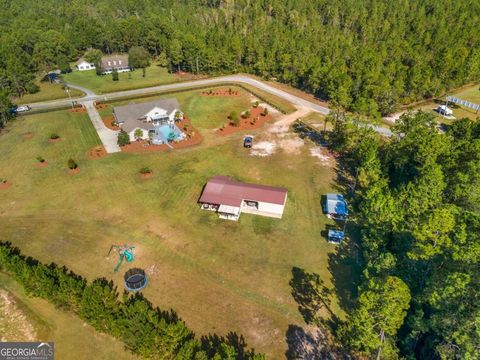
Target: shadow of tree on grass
[
  {"x": 211, "y": 344},
  {"x": 311, "y": 295},
  {"x": 311, "y": 343}
]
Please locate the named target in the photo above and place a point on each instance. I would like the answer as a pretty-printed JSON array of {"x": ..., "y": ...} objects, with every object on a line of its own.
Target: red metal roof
[{"x": 223, "y": 190}]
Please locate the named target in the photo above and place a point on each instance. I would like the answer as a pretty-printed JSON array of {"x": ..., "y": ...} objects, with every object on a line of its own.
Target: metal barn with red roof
[{"x": 230, "y": 198}]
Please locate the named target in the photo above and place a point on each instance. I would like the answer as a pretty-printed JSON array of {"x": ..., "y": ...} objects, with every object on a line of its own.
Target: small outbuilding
[
  {"x": 444, "y": 110},
  {"x": 83, "y": 65},
  {"x": 336, "y": 207},
  {"x": 230, "y": 198}
]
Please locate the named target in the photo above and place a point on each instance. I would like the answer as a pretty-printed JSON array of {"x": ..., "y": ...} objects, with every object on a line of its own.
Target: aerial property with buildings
[
  {"x": 154, "y": 120},
  {"x": 107, "y": 64}
]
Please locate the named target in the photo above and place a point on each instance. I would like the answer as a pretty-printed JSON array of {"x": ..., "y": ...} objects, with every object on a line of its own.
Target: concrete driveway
[{"x": 107, "y": 136}]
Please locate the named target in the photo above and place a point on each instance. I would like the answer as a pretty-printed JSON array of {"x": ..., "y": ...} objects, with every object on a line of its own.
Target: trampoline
[{"x": 135, "y": 279}]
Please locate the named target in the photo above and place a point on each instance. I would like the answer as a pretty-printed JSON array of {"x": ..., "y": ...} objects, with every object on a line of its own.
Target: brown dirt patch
[
  {"x": 193, "y": 135},
  {"x": 225, "y": 92},
  {"x": 193, "y": 138},
  {"x": 78, "y": 110},
  {"x": 99, "y": 105},
  {"x": 27, "y": 135},
  {"x": 143, "y": 146},
  {"x": 108, "y": 121},
  {"x": 41, "y": 164},
  {"x": 184, "y": 76},
  {"x": 5, "y": 185},
  {"x": 74, "y": 171},
  {"x": 146, "y": 176},
  {"x": 97, "y": 152},
  {"x": 54, "y": 140},
  {"x": 254, "y": 121}
]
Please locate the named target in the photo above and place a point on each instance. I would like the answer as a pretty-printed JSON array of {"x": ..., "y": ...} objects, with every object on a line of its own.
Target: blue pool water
[
  {"x": 165, "y": 130},
  {"x": 162, "y": 133}
]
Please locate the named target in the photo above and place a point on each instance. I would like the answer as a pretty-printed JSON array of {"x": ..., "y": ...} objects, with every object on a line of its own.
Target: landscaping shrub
[
  {"x": 123, "y": 138},
  {"x": 40, "y": 159},
  {"x": 138, "y": 134},
  {"x": 72, "y": 165},
  {"x": 264, "y": 112},
  {"x": 115, "y": 75},
  {"x": 54, "y": 136},
  {"x": 145, "y": 170},
  {"x": 234, "y": 118},
  {"x": 256, "y": 103},
  {"x": 144, "y": 329}
]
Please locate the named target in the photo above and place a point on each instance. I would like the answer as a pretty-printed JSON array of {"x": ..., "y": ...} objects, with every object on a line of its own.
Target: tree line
[
  {"x": 416, "y": 203},
  {"x": 366, "y": 56},
  {"x": 144, "y": 329}
]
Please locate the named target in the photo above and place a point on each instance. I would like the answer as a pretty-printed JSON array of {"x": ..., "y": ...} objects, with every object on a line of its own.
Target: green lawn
[
  {"x": 102, "y": 84},
  {"x": 47, "y": 92},
  {"x": 219, "y": 276},
  {"x": 206, "y": 112},
  {"x": 73, "y": 339}
]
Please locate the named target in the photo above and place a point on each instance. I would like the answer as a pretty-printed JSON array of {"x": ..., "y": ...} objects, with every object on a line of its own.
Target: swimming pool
[{"x": 165, "y": 133}]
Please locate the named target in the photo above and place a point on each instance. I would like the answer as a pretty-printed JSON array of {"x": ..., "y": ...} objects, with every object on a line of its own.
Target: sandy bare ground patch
[
  {"x": 14, "y": 324},
  {"x": 282, "y": 126},
  {"x": 322, "y": 155},
  {"x": 263, "y": 148},
  {"x": 278, "y": 136},
  {"x": 291, "y": 145}
]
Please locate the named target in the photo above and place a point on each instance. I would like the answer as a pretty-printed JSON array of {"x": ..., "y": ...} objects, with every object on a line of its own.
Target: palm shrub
[
  {"x": 145, "y": 170},
  {"x": 72, "y": 164},
  {"x": 40, "y": 159},
  {"x": 234, "y": 118}
]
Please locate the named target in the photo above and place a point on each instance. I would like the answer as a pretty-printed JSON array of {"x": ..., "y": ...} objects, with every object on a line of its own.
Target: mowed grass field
[
  {"x": 206, "y": 112},
  {"x": 220, "y": 276},
  {"x": 155, "y": 75},
  {"x": 74, "y": 340},
  {"x": 48, "y": 91}
]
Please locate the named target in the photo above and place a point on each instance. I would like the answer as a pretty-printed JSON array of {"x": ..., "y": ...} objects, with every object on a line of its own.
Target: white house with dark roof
[
  {"x": 107, "y": 64},
  {"x": 83, "y": 65},
  {"x": 155, "y": 119}
]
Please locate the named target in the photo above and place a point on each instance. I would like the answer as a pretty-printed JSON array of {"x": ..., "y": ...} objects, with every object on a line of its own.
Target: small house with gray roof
[{"x": 154, "y": 120}]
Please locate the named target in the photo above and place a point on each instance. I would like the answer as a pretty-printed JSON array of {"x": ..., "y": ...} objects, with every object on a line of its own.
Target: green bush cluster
[
  {"x": 123, "y": 138},
  {"x": 145, "y": 330}
]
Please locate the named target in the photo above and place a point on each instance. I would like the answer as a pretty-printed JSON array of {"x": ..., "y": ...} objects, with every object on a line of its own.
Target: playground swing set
[{"x": 125, "y": 252}]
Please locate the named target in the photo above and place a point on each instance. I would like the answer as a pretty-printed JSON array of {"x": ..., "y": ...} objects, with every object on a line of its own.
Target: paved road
[
  {"x": 108, "y": 136},
  {"x": 87, "y": 92},
  {"x": 90, "y": 96}
]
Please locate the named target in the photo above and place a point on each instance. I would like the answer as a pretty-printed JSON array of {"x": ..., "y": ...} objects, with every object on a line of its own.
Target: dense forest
[
  {"x": 367, "y": 56},
  {"x": 416, "y": 203}
]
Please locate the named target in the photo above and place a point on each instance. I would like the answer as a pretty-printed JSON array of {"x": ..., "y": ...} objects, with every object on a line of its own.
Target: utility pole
[{"x": 67, "y": 89}]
